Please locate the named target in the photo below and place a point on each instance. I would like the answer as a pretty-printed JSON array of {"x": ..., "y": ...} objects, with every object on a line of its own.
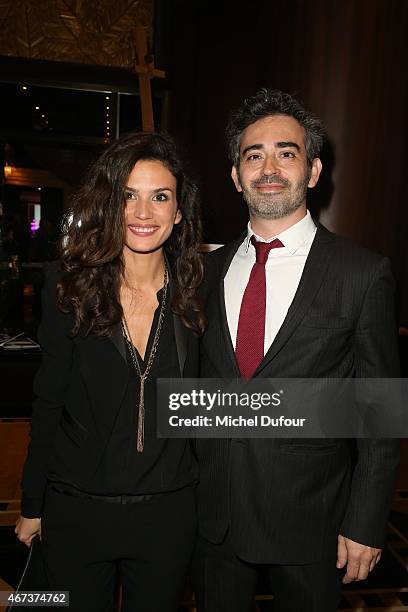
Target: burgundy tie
[{"x": 249, "y": 349}]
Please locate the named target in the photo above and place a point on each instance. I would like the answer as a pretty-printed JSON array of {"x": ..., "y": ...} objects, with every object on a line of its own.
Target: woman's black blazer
[{"x": 79, "y": 389}]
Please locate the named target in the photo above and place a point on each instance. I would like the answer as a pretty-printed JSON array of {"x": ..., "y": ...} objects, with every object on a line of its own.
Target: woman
[{"x": 108, "y": 496}]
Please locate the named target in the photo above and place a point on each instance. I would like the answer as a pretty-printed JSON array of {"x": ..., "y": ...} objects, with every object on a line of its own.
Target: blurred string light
[
  {"x": 43, "y": 115},
  {"x": 107, "y": 117},
  {"x": 25, "y": 90}
]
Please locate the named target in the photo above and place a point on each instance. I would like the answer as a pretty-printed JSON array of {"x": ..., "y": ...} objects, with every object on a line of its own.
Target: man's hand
[
  {"x": 27, "y": 528},
  {"x": 360, "y": 559}
]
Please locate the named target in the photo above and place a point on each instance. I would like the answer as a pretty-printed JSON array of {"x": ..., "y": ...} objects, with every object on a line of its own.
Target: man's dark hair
[{"x": 268, "y": 102}]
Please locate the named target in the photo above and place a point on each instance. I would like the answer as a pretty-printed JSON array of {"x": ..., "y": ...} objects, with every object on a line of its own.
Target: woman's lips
[{"x": 143, "y": 230}]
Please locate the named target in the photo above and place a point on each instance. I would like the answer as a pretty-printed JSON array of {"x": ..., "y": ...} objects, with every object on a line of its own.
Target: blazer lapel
[
  {"x": 118, "y": 340},
  {"x": 180, "y": 333},
  {"x": 106, "y": 375},
  {"x": 314, "y": 271}
]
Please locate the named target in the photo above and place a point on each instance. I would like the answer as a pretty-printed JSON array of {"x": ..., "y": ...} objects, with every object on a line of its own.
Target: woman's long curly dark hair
[{"x": 94, "y": 235}]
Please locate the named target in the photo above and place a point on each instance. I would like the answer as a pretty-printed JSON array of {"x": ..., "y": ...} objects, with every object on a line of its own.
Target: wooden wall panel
[
  {"x": 347, "y": 60},
  {"x": 85, "y": 31}
]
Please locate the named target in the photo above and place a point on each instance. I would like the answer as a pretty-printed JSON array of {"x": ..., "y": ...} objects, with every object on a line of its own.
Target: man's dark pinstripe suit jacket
[{"x": 286, "y": 500}]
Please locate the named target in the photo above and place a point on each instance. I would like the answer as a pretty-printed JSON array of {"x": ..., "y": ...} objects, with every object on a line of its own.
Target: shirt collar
[{"x": 292, "y": 238}]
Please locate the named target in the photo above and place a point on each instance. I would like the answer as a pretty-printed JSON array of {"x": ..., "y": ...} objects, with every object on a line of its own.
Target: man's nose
[{"x": 270, "y": 166}]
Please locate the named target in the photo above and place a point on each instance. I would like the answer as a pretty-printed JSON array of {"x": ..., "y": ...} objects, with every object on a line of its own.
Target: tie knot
[{"x": 262, "y": 249}]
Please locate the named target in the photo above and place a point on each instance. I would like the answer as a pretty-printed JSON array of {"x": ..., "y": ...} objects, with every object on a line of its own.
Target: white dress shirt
[{"x": 283, "y": 270}]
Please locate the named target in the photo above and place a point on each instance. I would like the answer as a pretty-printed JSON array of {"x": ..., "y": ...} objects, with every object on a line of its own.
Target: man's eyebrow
[
  {"x": 254, "y": 147},
  {"x": 281, "y": 145},
  {"x": 284, "y": 145}
]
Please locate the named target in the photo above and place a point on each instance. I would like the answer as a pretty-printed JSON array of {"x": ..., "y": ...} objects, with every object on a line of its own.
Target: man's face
[{"x": 273, "y": 174}]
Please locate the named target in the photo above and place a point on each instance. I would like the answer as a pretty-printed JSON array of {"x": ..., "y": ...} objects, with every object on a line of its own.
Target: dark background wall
[{"x": 346, "y": 60}]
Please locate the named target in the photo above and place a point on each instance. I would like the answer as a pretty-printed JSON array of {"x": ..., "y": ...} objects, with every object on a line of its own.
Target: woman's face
[{"x": 150, "y": 206}]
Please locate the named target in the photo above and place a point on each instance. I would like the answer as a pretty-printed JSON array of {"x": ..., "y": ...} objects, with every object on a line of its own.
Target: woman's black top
[{"x": 165, "y": 464}]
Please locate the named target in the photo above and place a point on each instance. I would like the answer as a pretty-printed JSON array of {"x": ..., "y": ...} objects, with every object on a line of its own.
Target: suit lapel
[
  {"x": 231, "y": 250},
  {"x": 314, "y": 271}
]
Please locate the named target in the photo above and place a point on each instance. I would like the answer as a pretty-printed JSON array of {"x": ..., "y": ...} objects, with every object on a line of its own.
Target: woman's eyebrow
[
  {"x": 157, "y": 190},
  {"x": 162, "y": 189}
]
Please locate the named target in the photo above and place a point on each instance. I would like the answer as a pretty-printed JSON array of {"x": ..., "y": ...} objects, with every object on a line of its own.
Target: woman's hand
[{"x": 27, "y": 528}]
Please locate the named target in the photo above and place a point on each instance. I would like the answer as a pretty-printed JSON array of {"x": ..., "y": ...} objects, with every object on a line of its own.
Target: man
[{"x": 311, "y": 304}]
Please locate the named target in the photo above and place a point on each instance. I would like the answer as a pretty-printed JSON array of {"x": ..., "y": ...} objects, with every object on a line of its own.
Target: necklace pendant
[
  {"x": 143, "y": 375},
  {"x": 140, "y": 426}
]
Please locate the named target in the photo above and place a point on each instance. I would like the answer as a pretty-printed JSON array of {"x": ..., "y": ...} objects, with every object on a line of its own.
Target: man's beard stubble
[{"x": 275, "y": 205}]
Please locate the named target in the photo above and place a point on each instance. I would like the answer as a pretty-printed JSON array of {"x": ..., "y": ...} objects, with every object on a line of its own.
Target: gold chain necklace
[{"x": 143, "y": 375}]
